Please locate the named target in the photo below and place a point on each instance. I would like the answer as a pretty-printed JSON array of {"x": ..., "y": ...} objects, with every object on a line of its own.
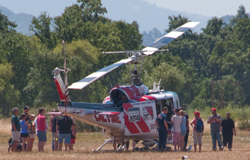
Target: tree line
[{"x": 219, "y": 53}]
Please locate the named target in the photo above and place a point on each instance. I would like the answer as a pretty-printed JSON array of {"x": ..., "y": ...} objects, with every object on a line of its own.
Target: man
[
  {"x": 52, "y": 146},
  {"x": 53, "y": 130},
  {"x": 162, "y": 127},
  {"x": 176, "y": 130},
  {"x": 228, "y": 130},
  {"x": 215, "y": 121},
  {"x": 26, "y": 112},
  {"x": 15, "y": 129},
  {"x": 187, "y": 133},
  {"x": 41, "y": 124},
  {"x": 64, "y": 125}
]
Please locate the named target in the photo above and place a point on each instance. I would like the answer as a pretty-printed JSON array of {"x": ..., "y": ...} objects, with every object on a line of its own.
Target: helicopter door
[{"x": 139, "y": 117}]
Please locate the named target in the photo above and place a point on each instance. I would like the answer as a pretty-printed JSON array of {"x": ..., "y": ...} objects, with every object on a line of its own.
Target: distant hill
[
  {"x": 227, "y": 18},
  {"x": 22, "y": 20}
]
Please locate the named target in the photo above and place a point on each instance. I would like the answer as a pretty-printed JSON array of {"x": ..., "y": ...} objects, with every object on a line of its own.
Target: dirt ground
[{"x": 85, "y": 142}]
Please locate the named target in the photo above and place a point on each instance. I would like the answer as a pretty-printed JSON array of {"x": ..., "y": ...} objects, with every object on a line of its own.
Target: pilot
[
  {"x": 162, "y": 127},
  {"x": 122, "y": 99}
]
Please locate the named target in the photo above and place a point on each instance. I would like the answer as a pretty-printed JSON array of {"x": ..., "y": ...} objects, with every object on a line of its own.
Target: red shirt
[{"x": 41, "y": 122}]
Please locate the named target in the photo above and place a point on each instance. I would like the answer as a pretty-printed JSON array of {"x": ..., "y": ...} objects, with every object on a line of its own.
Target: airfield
[{"x": 85, "y": 142}]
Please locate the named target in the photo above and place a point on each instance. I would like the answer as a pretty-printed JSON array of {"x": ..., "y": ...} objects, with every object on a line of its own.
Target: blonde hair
[{"x": 182, "y": 112}]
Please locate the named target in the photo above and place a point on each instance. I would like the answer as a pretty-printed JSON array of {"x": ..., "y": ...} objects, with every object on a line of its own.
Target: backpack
[{"x": 199, "y": 125}]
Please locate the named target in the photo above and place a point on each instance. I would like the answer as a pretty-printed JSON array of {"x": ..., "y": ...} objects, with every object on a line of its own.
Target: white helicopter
[{"x": 129, "y": 112}]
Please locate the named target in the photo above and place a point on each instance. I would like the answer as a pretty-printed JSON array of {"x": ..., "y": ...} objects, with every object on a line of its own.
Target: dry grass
[
  {"x": 5, "y": 128},
  {"x": 87, "y": 141}
]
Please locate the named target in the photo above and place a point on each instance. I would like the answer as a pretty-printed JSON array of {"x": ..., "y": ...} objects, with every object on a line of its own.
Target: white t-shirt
[{"x": 177, "y": 123}]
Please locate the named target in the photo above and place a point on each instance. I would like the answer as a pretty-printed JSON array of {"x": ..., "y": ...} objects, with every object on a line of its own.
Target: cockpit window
[{"x": 118, "y": 96}]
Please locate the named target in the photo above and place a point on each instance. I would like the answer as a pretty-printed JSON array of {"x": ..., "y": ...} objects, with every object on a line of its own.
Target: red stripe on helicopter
[
  {"x": 130, "y": 125},
  {"x": 129, "y": 92},
  {"x": 136, "y": 90},
  {"x": 142, "y": 124},
  {"x": 150, "y": 110},
  {"x": 59, "y": 89},
  {"x": 149, "y": 97}
]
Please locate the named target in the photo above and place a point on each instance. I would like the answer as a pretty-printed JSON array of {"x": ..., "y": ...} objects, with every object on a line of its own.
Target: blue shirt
[
  {"x": 160, "y": 119},
  {"x": 183, "y": 124},
  {"x": 24, "y": 127}
]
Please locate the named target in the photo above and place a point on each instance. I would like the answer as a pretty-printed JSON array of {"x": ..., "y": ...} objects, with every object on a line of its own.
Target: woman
[
  {"x": 32, "y": 133},
  {"x": 183, "y": 129},
  {"x": 24, "y": 131},
  {"x": 198, "y": 127}
]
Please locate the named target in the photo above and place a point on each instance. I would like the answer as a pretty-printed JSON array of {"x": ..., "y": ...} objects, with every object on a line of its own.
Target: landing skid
[{"x": 107, "y": 141}]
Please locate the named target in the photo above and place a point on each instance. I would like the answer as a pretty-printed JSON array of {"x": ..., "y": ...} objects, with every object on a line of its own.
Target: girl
[
  {"x": 73, "y": 136},
  {"x": 24, "y": 131},
  {"x": 32, "y": 133}
]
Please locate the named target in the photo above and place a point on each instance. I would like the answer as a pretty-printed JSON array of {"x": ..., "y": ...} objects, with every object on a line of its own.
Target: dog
[{"x": 19, "y": 145}]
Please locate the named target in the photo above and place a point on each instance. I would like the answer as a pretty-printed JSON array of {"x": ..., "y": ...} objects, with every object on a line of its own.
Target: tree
[
  {"x": 41, "y": 27},
  {"x": 241, "y": 13}
]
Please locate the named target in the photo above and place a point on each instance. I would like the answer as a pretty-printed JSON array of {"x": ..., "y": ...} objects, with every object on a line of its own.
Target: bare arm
[
  {"x": 234, "y": 130},
  {"x": 156, "y": 123},
  {"x": 14, "y": 126}
]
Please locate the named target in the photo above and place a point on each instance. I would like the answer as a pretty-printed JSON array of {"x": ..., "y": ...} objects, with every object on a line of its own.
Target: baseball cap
[
  {"x": 213, "y": 109},
  {"x": 26, "y": 107},
  {"x": 32, "y": 115},
  {"x": 197, "y": 113}
]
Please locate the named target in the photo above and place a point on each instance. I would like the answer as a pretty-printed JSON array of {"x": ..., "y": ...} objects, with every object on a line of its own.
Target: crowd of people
[
  {"x": 178, "y": 123},
  {"x": 26, "y": 127}
]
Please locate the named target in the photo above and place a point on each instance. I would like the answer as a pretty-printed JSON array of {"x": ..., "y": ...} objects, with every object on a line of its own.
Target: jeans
[
  {"x": 216, "y": 136},
  {"x": 53, "y": 141},
  {"x": 162, "y": 138},
  {"x": 186, "y": 139}
]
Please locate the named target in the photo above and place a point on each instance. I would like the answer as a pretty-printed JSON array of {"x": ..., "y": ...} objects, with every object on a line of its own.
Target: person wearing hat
[
  {"x": 198, "y": 127},
  {"x": 26, "y": 112},
  {"x": 162, "y": 127},
  {"x": 31, "y": 131},
  {"x": 228, "y": 130},
  {"x": 215, "y": 122}
]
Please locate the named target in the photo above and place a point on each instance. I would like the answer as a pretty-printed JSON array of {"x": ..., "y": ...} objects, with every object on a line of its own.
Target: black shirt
[
  {"x": 64, "y": 125},
  {"x": 228, "y": 125},
  {"x": 54, "y": 122}
]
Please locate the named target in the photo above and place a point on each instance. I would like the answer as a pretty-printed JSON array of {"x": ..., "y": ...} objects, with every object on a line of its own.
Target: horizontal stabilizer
[
  {"x": 98, "y": 74},
  {"x": 169, "y": 37}
]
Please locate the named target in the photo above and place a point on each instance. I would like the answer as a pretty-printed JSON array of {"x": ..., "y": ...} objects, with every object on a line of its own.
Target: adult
[
  {"x": 26, "y": 112},
  {"x": 176, "y": 130},
  {"x": 41, "y": 129},
  {"x": 215, "y": 122},
  {"x": 183, "y": 129},
  {"x": 162, "y": 127},
  {"x": 53, "y": 130},
  {"x": 187, "y": 131},
  {"x": 169, "y": 115},
  {"x": 24, "y": 131},
  {"x": 198, "y": 128},
  {"x": 15, "y": 129},
  {"x": 228, "y": 130},
  {"x": 32, "y": 132},
  {"x": 52, "y": 146},
  {"x": 64, "y": 125}
]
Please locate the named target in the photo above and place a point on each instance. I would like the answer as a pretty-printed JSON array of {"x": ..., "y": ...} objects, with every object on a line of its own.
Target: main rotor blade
[
  {"x": 169, "y": 37},
  {"x": 98, "y": 74}
]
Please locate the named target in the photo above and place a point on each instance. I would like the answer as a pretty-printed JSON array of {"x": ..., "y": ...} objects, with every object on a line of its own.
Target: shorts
[
  {"x": 55, "y": 136},
  {"x": 16, "y": 136},
  {"x": 183, "y": 133},
  {"x": 24, "y": 135},
  {"x": 197, "y": 137},
  {"x": 73, "y": 141},
  {"x": 41, "y": 136},
  {"x": 65, "y": 136},
  {"x": 176, "y": 137},
  {"x": 33, "y": 136}
]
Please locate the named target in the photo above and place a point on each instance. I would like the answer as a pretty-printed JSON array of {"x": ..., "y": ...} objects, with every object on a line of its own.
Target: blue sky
[{"x": 203, "y": 7}]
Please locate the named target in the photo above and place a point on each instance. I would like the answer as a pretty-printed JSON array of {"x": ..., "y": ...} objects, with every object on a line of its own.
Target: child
[
  {"x": 24, "y": 131},
  {"x": 73, "y": 136},
  {"x": 183, "y": 129},
  {"x": 32, "y": 133}
]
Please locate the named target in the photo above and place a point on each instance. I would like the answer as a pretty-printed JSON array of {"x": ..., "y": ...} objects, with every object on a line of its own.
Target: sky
[{"x": 209, "y": 8}]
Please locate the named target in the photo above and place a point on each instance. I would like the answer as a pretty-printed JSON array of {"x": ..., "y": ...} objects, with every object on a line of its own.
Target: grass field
[{"x": 87, "y": 141}]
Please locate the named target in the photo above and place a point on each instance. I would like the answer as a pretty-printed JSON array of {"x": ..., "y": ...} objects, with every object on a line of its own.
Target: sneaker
[
  {"x": 221, "y": 148},
  {"x": 190, "y": 147}
]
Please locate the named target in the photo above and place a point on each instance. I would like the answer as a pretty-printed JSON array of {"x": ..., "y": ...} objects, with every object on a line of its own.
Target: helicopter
[{"x": 129, "y": 112}]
